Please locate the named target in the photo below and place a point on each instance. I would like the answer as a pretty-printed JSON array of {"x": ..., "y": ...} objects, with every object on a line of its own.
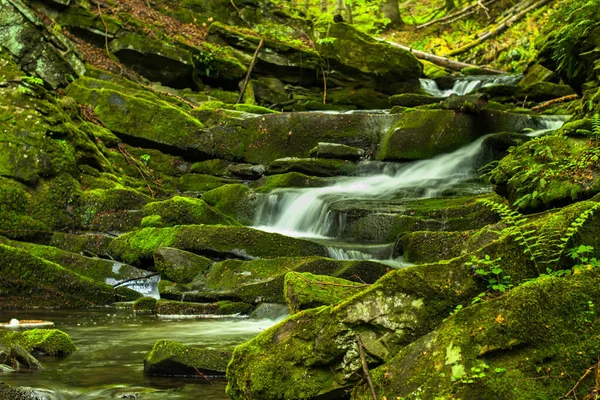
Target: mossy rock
[
  {"x": 169, "y": 358},
  {"x": 535, "y": 327},
  {"x": 262, "y": 280},
  {"x": 180, "y": 266},
  {"x": 337, "y": 151},
  {"x": 202, "y": 183},
  {"x": 221, "y": 308},
  {"x": 137, "y": 248},
  {"x": 312, "y": 166},
  {"x": 155, "y": 123},
  {"x": 111, "y": 209},
  {"x": 393, "y": 70},
  {"x": 183, "y": 211},
  {"x": 413, "y": 100},
  {"x": 87, "y": 244},
  {"x": 99, "y": 270},
  {"x": 216, "y": 167},
  {"x": 29, "y": 281},
  {"x": 563, "y": 171},
  {"x": 304, "y": 290},
  {"x": 434, "y": 71},
  {"x": 427, "y": 247},
  {"x": 361, "y": 98},
  {"x": 85, "y": 23},
  {"x": 234, "y": 200},
  {"x": 50, "y": 342},
  {"x": 292, "y": 180},
  {"x": 15, "y": 203},
  {"x": 145, "y": 305}
]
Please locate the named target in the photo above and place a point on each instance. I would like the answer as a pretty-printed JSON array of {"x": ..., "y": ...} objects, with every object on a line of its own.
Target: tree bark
[{"x": 391, "y": 10}]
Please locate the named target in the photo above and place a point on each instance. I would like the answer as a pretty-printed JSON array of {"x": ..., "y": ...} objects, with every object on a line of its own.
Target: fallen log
[
  {"x": 446, "y": 62},
  {"x": 549, "y": 103},
  {"x": 458, "y": 14},
  {"x": 498, "y": 29}
]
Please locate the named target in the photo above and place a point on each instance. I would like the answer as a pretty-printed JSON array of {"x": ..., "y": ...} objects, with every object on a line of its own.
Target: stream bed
[{"x": 111, "y": 347}]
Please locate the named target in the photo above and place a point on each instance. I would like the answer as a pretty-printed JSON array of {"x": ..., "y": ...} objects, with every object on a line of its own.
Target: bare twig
[
  {"x": 549, "y": 103},
  {"x": 587, "y": 372},
  {"x": 363, "y": 360},
  {"x": 116, "y": 285},
  {"x": 105, "y": 29},
  {"x": 250, "y": 68}
]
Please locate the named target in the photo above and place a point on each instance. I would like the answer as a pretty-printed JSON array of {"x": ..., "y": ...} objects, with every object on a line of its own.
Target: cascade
[
  {"x": 306, "y": 213},
  {"x": 467, "y": 85}
]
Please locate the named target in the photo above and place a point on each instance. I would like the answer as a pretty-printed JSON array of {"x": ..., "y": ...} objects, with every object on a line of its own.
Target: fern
[
  {"x": 543, "y": 250},
  {"x": 596, "y": 126}
]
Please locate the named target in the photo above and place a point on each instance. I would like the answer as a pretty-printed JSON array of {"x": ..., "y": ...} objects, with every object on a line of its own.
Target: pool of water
[{"x": 111, "y": 347}]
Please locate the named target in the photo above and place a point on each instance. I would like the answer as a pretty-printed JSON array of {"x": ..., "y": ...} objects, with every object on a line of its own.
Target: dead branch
[
  {"x": 501, "y": 27},
  {"x": 250, "y": 67},
  {"x": 116, "y": 285},
  {"x": 444, "y": 61},
  {"x": 458, "y": 14},
  {"x": 549, "y": 103},
  {"x": 105, "y": 29},
  {"x": 363, "y": 360},
  {"x": 587, "y": 372}
]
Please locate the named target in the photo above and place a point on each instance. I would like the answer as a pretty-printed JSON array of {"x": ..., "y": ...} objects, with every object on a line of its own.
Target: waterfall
[
  {"x": 306, "y": 212},
  {"x": 469, "y": 84}
]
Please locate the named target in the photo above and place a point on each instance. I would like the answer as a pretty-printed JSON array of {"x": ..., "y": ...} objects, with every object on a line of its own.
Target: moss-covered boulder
[
  {"x": 183, "y": 211},
  {"x": 137, "y": 248},
  {"x": 392, "y": 69},
  {"x": 46, "y": 342},
  {"x": 221, "y": 308},
  {"x": 427, "y": 247},
  {"x": 29, "y": 281},
  {"x": 504, "y": 348},
  {"x": 100, "y": 270},
  {"x": 169, "y": 358},
  {"x": 180, "y": 266},
  {"x": 304, "y": 290},
  {"x": 259, "y": 281},
  {"x": 234, "y": 200},
  {"x": 413, "y": 100},
  {"x": 145, "y": 305},
  {"x": 426, "y": 133},
  {"x": 111, "y": 209},
  {"x": 312, "y": 166},
  {"x": 91, "y": 244},
  {"x": 560, "y": 171},
  {"x": 200, "y": 183},
  {"x": 337, "y": 151},
  {"x": 291, "y": 180},
  {"x": 48, "y": 55}
]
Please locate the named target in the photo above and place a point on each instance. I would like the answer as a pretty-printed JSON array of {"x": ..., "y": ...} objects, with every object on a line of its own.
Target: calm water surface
[{"x": 111, "y": 347}]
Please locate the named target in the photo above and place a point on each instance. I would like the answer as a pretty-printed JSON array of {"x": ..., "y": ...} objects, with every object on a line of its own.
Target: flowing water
[
  {"x": 469, "y": 84},
  {"x": 111, "y": 347},
  {"x": 307, "y": 213}
]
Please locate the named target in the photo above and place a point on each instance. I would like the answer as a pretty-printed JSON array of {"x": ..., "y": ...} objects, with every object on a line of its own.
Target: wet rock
[
  {"x": 291, "y": 180},
  {"x": 304, "y": 290},
  {"x": 138, "y": 247},
  {"x": 21, "y": 359},
  {"x": 247, "y": 171},
  {"x": 337, "y": 151},
  {"x": 180, "y": 266},
  {"x": 233, "y": 200},
  {"x": 470, "y": 103},
  {"x": 183, "y": 211},
  {"x": 312, "y": 166},
  {"x": 48, "y": 284},
  {"x": 83, "y": 22},
  {"x": 48, "y": 55},
  {"x": 145, "y": 305},
  {"x": 413, "y": 100},
  {"x": 169, "y": 358},
  {"x": 88, "y": 244},
  {"x": 224, "y": 307},
  {"x": 269, "y": 311}
]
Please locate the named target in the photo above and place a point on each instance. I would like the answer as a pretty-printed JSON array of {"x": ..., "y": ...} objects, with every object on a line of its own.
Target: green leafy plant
[
  {"x": 33, "y": 80},
  {"x": 490, "y": 271},
  {"x": 145, "y": 158},
  {"x": 581, "y": 256}
]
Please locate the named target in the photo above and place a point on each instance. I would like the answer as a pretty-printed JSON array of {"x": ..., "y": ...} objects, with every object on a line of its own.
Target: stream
[{"x": 111, "y": 346}]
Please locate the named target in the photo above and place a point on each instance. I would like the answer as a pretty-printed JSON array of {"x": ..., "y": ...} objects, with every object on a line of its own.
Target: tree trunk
[{"x": 391, "y": 11}]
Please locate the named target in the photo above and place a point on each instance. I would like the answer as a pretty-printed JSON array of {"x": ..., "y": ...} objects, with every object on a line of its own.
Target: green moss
[
  {"x": 29, "y": 281},
  {"x": 305, "y": 290},
  {"x": 254, "y": 109},
  {"x": 94, "y": 244},
  {"x": 185, "y": 211},
  {"x": 180, "y": 266},
  {"x": 312, "y": 166},
  {"x": 291, "y": 179},
  {"x": 234, "y": 200},
  {"x": 145, "y": 305},
  {"x": 216, "y": 167},
  {"x": 138, "y": 247},
  {"x": 15, "y": 204},
  {"x": 172, "y": 358},
  {"x": 170, "y": 307},
  {"x": 201, "y": 183},
  {"x": 50, "y": 342}
]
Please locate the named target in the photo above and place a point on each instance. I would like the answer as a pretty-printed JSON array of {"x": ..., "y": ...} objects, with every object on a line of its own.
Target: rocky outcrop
[{"x": 169, "y": 358}]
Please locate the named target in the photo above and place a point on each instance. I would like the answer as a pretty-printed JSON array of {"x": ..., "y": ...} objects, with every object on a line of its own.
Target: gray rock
[{"x": 337, "y": 151}]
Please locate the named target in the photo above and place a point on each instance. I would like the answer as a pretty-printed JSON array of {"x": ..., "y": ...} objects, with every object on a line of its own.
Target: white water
[
  {"x": 305, "y": 212},
  {"x": 467, "y": 85}
]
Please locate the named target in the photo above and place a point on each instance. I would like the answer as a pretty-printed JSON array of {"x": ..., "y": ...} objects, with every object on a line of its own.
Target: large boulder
[
  {"x": 169, "y": 358},
  {"x": 183, "y": 211},
  {"x": 180, "y": 266},
  {"x": 29, "y": 281},
  {"x": 138, "y": 247}
]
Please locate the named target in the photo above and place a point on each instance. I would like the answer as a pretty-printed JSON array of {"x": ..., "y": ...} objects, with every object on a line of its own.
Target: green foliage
[
  {"x": 476, "y": 373},
  {"x": 145, "y": 158},
  {"x": 544, "y": 250},
  {"x": 596, "y": 127},
  {"x": 574, "y": 19},
  {"x": 33, "y": 80},
  {"x": 204, "y": 60},
  {"x": 580, "y": 255}
]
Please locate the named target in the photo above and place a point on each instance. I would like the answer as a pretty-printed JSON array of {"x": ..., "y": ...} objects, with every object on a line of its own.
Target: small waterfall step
[{"x": 468, "y": 84}]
